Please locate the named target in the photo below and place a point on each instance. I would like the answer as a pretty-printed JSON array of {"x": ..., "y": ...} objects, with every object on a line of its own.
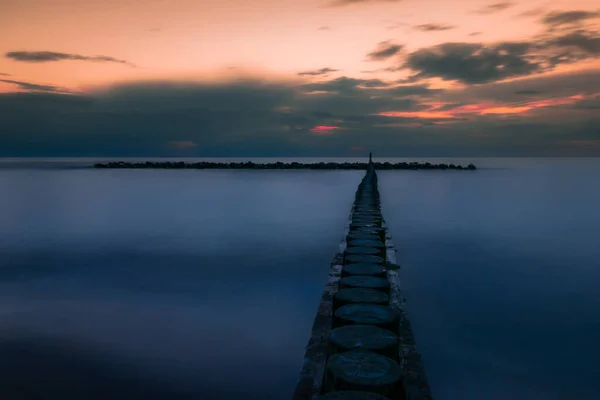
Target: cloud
[
  {"x": 33, "y": 86},
  {"x": 345, "y": 85},
  {"x": 324, "y": 129},
  {"x": 478, "y": 63},
  {"x": 472, "y": 63},
  {"x": 324, "y": 28},
  {"x": 559, "y": 18},
  {"x": 51, "y": 56},
  {"x": 433, "y": 27},
  {"x": 528, "y": 92},
  {"x": 411, "y": 90},
  {"x": 475, "y": 33},
  {"x": 322, "y": 71},
  {"x": 3, "y": 74},
  {"x": 251, "y": 118},
  {"x": 343, "y": 3},
  {"x": 384, "y": 51},
  {"x": 494, "y": 8},
  {"x": 587, "y": 43},
  {"x": 371, "y": 83},
  {"x": 588, "y": 104},
  {"x": 546, "y": 87}
]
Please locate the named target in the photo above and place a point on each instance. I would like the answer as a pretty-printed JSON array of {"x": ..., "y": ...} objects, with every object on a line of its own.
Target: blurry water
[
  {"x": 187, "y": 284},
  {"x": 501, "y": 271},
  {"x": 123, "y": 284}
]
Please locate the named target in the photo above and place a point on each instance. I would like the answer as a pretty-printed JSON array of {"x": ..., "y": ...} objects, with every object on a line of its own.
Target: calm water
[
  {"x": 502, "y": 276},
  {"x": 203, "y": 284},
  {"x": 154, "y": 284}
]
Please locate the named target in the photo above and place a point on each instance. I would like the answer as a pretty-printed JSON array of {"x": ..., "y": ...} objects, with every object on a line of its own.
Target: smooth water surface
[
  {"x": 191, "y": 284},
  {"x": 157, "y": 284},
  {"x": 501, "y": 271}
]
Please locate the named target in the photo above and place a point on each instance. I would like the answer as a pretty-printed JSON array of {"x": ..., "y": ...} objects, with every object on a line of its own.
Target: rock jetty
[
  {"x": 361, "y": 345},
  {"x": 281, "y": 165}
]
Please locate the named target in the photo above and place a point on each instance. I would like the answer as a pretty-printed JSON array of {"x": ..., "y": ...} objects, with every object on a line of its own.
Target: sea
[{"x": 203, "y": 284}]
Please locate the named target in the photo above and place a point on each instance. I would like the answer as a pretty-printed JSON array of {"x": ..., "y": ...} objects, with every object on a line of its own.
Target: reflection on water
[
  {"x": 162, "y": 284},
  {"x": 501, "y": 270}
]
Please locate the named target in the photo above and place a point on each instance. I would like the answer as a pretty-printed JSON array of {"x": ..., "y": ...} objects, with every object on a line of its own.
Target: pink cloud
[{"x": 324, "y": 129}]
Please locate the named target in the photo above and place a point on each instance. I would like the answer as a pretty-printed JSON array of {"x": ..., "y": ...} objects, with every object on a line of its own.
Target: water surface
[
  {"x": 162, "y": 284},
  {"x": 501, "y": 269},
  {"x": 195, "y": 284}
]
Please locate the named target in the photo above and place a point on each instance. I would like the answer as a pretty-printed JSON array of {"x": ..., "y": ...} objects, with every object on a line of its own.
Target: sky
[{"x": 299, "y": 78}]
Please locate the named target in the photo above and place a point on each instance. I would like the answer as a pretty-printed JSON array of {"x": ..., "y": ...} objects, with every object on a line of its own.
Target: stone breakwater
[
  {"x": 281, "y": 165},
  {"x": 362, "y": 345}
]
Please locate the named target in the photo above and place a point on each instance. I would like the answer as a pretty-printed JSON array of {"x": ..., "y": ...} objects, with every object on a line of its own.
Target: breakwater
[
  {"x": 281, "y": 165},
  {"x": 362, "y": 345}
]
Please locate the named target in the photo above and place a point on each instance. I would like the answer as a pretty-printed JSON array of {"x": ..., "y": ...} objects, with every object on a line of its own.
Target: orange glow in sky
[
  {"x": 181, "y": 39},
  {"x": 481, "y": 109}
]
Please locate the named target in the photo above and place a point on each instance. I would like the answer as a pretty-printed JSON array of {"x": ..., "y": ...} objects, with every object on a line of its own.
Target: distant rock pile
[{"x": 281, "y": 165}]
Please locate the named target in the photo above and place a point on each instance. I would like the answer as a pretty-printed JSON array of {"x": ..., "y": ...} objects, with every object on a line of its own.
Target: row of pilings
[{"x": 362, "y": 345}]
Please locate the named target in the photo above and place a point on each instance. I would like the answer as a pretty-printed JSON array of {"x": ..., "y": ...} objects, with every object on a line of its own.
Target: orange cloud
[{"x": 435, "y": 108}]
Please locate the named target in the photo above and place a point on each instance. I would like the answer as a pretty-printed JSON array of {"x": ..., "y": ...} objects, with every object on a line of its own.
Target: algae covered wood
[
  {"x": 378, "y": 244},
  {"x": 367, "y": 314},
  {"x": 312, "y": 383},
  {"x": 365, "y": 281},
  {"x": 365, "y": 337},
  {"x": 363, "y": 259},
  {"x": 377, "y": 270},
  {"x": 357, "y": 235},
  {"x": 359, "y": 295},
  {"x": 363, "y": 370},
  {"x": 362, "y": 250}
]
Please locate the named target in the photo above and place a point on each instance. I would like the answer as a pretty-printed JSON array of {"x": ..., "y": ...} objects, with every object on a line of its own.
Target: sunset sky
[{"x": 299, "y": 78}]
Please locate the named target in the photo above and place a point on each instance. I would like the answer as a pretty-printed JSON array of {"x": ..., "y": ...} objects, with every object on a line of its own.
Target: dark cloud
[
  {"x": 475, "y": 33},
  {"x": 528, "y": 92},
  {"x": 33, "y": 86},
  {"x": 345, "y": 85},
  {"x": 342, "y": 3},
  {"x": 3, "y": 74},
  {"x": 256, "y": 118},
  {"x": 562, "y": 85},
  {"x": 433, "y": 27},
  {"x": 322, "y": 71},
  {"x": 586, "y": 43},
  {"x": 472, "y": 63},
  {"x": 558, "y": 18},
  {"x": 494, "y": 8},
  {"x": 51, "y": 56},
  {"x": 477, "y": 63},
  {"x": 369, "y": 83},
  {"x": 410, "y": 90},
  {"x": 384, "y": 51},
  {"x": 339, "y": 85},
  {"x": 588, "y": 104}
]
